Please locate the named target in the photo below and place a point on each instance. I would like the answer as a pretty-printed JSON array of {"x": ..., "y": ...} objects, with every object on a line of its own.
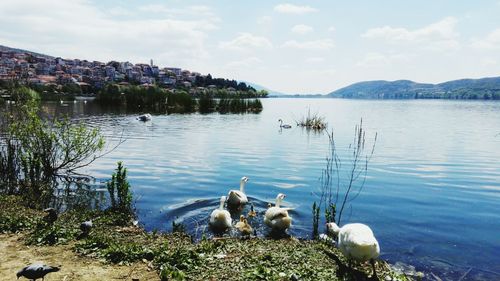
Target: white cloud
[
  {"x": 244, "y": 63},
  {"x": 440, "y": 35},
  {"x": 302, "y": 29},
  {"x": 264, "y": 20},
  {"x": 492, "y": 41},
  {"x": 245, "y": 41},
  {"x": 77, "y": 29},
  {"x": 488, "y": 62},
  {"x": 189, "y": 12},
  {"x": 378, "y": 59},
  {"x": 332, "y": 29},
  {"x": 315, "y": 60},
  {"x": 293, "y": 9},
  {"x": 119, "y": 11},
  {"x": 315, "y": 45}
]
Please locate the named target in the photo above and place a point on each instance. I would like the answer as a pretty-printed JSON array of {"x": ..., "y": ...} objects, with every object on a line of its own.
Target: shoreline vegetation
[
  {"x": 155, "y": 99},
  {"x": 37, "y": 156},
  {"x": 115, "y": 240}
]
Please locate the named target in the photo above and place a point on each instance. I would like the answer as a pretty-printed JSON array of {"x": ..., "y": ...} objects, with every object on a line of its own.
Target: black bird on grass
[
  {"x": 51, "y": 216},
  {"x": 36, "y": 271},
  {"x": 86, "y": 226}
]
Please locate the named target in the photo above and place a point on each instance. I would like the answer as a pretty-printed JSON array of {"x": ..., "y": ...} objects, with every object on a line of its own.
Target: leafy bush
[
  {"x": 14, "y": 217},
  {"x": 119, "y": 191},
  {"x": 34, "y": 151},
  {"x": 51, "y": 234}
]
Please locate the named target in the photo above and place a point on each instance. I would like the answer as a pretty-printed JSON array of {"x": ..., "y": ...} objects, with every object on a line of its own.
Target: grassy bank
[{"x": 174, "y": 256}]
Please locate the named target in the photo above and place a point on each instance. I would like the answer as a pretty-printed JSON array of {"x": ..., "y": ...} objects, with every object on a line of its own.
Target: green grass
[{"x": 176, "y": 257}]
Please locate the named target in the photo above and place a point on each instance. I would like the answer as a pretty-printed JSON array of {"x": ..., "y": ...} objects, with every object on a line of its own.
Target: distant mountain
[
  {"x": 9, "y": 49},
  {"x": 260, "y": 87},
  {"x": 485, "y": 88}
]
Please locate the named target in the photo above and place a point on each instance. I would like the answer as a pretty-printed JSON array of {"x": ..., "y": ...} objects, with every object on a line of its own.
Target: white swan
[
  {"x": 238, "y": 198},
  {"x": 356, "y": 241},
  {"x": 220, "y": 219},
  {"x": 145, "y": 117},
  {"x": 285, "y": 126},
  {"x": 276, "y": 217}
]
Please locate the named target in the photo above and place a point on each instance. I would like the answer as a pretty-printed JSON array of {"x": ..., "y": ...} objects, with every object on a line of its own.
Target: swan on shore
[
  {"x": 238, "y": 198},
  {"x": 220, "y": 219},
  {"x": 356, "y": 241},
  {"x": 284, "y": 126},
  {"x": 276, "y": 217}
]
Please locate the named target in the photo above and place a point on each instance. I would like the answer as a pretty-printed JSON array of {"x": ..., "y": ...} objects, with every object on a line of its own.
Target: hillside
[
  {"x": 484, "y": 88},
  {"x": 260, "y": 87},
  {"x": 9, "y": 49}
]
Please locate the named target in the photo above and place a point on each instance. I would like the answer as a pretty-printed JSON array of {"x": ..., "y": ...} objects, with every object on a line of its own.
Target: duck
[
  {"x": 284, "y": 126},
  {"x": 36, "y": 271},
  {"x": 252, "y": 212},
  {"x": 243, "y": 226},
  {"x": 276, "y": 217},
  {"x": 238, "y": 198},
  {"x": 220, "y": 219},
  {"x": 356, "y": 241},
  {"x": 144, "y": 117}
]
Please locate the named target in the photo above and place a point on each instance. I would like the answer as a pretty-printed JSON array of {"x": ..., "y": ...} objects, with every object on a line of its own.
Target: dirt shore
[{"x": 14, "y": 255}]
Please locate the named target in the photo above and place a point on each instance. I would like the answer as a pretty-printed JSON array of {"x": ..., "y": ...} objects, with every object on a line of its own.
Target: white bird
[
  {"x": 356, "y": 241},
  {"x": 220, "y": 219},
  {"x": 144, "y": 117},
  {"x": 276, "y": 217},
  {"x": 36, "y": 271},
  {"x": 284, "y": 126},
  {"x": 238, "y": 198}
]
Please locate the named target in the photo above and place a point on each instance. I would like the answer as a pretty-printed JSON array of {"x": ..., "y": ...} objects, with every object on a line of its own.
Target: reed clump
[{"x": 312, "y": 121}]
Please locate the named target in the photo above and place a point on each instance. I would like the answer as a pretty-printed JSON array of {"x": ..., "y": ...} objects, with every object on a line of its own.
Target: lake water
[{"x": 432, "y": 192}]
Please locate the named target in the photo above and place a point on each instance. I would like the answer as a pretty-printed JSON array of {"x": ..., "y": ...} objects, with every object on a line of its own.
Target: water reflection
[{"x": 431, "y": 196}]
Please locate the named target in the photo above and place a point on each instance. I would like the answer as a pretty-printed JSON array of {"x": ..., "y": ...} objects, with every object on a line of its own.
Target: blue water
[{"x": 432, "y": 192}]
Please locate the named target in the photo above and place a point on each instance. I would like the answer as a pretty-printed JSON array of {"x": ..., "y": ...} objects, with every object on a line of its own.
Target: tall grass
[
  {"x": 343, "y": 178},
  {"x": 312, "y": 121}
]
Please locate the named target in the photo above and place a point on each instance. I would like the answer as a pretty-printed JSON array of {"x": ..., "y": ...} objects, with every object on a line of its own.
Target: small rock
[
  {"x": 281, "y": 274},
  {"x": 220, "y": 256},
  {"x": 294, "y": 277},
  {"x": 388, "y": 278}
]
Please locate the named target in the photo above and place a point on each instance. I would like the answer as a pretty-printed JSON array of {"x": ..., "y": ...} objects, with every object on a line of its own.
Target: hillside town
[{"x": 35, "y": 69}]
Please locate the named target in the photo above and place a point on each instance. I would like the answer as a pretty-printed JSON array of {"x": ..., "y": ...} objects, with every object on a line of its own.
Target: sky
[{"x": 295, "y": 47}]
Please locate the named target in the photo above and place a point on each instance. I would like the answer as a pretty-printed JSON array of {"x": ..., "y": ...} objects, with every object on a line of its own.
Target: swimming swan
[
  {"x": 238, "y": 198},
  {"x": 220, "y": 219},
  {"x": 285, "y": 126},
  {"x": 276, "y": 217}
]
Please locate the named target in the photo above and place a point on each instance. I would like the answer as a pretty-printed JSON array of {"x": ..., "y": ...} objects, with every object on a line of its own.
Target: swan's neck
[
  {"x": 242, "y": 186},
  {"x": 278, "y": 202}
]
